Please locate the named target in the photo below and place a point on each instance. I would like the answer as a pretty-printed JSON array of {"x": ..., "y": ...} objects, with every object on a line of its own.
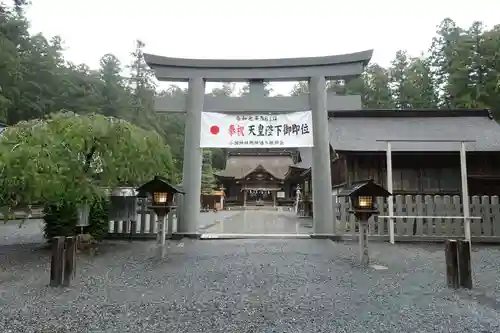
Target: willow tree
[{"x": 67, "y": 160}]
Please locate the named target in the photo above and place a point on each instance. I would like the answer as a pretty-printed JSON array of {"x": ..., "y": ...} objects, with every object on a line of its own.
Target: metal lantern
[
  {"x": 162, "y": 193},
  {"x": 160, "y": 198},
  {"x": 362, "y": 196},
  {"x": 364, "y": 202},
  {"x": 123, "y": 204}
]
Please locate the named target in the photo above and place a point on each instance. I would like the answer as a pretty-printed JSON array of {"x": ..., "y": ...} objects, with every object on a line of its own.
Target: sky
[{"x": 250, "y": 29}]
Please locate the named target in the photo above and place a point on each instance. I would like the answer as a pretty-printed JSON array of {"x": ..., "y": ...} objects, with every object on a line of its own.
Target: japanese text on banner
[{"x": 286, "y": 130}]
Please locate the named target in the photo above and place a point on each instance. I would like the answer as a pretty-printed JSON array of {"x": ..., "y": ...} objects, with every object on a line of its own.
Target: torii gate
[{"x": 315, "y": 70}]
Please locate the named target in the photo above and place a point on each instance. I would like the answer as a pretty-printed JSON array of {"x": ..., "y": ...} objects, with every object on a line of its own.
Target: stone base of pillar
[
  {"x": 332, "y": 237},
  {"x": 179, "y": 236}
]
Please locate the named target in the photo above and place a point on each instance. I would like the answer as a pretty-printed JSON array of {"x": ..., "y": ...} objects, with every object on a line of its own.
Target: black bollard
[
  {"x": 451, "y": 256},
  {"x": 464, "y": 264}
]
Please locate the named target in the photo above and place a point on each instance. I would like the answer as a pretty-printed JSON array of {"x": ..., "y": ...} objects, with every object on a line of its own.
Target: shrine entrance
[
  {"x": 318, "y": 102},
  {"x": 259, "y": 195}
]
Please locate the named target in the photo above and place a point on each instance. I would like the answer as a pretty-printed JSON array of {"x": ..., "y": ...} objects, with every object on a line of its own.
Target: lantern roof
[
  {"x": 365, "y": 188},
  {"x": 158, "y": 184}
]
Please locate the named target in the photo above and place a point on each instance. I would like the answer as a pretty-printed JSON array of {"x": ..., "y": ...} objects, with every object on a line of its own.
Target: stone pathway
[{"x": 261, "y": 222}]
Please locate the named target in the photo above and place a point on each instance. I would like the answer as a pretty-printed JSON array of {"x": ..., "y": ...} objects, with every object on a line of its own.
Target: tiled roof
[
  {"x": 305, "y": 157},
  {"x": 360, "y": 130},
  {"x": 239, "y": 166}
]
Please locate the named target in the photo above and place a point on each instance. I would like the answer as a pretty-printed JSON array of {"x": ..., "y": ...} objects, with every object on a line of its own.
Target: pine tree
[{"x": 207, "y": 175}]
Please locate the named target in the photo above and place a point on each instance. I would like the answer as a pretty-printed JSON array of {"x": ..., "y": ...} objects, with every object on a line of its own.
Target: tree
[
  {"x": 113, "y": 91},
  {"x": 491, "y": 75},
  {"x": 142, "y": 89},
  {"x": 69, "y": 159},
  {"x": 207, "y": 173},
  {"x": 444, "y": 58},
  {"x": 245, "y": 90},
  {"x": 300, "y": 88},
  {"x": 399, "y": 81},
  {"x": 421, "y": 90},
  {"x": 377, "y": 94},
  {"x": 227, "y": 89}
]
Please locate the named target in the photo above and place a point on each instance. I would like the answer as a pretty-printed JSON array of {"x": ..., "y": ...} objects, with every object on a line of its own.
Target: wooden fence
[
  {"x": 145, "y": 226},
  {"x": 486, "y": 229}
]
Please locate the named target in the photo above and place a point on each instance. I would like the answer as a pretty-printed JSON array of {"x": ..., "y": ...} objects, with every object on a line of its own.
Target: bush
[
  {"x": 62, "y": 220},
  {"x": 98, "y": 219}
]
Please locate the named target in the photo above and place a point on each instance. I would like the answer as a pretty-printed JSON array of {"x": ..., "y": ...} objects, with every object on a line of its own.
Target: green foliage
[
  {"x": 70, "y": 158},
  {"x": 61, "y": 220},
  {"x": 207, "y": 173},
  {"x": 98, "y": 219},
  {"x": 461, "y": 71}
]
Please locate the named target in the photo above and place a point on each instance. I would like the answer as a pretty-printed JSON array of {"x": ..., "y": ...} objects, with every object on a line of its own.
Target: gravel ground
[
  {"x": 31, "y": 231},
  {"x": 285, "y": 285}
]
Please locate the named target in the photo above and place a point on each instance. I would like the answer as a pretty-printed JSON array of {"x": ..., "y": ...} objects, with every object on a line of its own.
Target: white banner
[{"x": 220, "y": 130}]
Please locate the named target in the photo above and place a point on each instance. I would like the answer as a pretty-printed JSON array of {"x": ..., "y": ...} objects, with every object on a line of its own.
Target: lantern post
[
  {"x": 362, "y": 198},
  {"x": 162, "y": 195}
]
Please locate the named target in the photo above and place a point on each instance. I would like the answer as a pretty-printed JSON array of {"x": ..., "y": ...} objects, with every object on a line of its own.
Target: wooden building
[
  {"x": 254, "y": 177},
  {"x": 433, "y": 168},
  {"x": 417, "y": 167}
]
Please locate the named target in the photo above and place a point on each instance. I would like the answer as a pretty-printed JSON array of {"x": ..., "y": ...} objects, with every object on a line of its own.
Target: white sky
[{"x": 250, "y": 29}]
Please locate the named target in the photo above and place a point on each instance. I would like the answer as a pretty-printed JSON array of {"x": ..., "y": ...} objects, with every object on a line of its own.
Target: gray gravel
[
  {"x": 15, "y": 232},
  {"x": 288, "y": 285}
]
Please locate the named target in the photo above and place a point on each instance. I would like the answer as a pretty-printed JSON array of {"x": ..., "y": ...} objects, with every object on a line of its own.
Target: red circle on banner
[{"x": 214, "y": 129}]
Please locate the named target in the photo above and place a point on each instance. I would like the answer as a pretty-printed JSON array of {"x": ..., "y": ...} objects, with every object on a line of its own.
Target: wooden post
[
  {"x": 163, "y": 229},
  {"x": 364, "y": 256},
  {"x": 159, "y": 232},
  {"x": 133, "y": 230},
  {"x": 451, "y": 256},
  {"x": 170, "y": 223},
  {"x": 69, "y": 260},
  {"x": 464, "y": 264},
  {"x": 390, "y": 199},
  {"x": 465, "y": 191},
  {"x": 56, "y": 263}
]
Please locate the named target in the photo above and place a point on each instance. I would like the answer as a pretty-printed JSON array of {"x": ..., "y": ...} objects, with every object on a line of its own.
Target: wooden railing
[
  {"x": 437, "y": 221},
  {"x": 145, "y": 226}
]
